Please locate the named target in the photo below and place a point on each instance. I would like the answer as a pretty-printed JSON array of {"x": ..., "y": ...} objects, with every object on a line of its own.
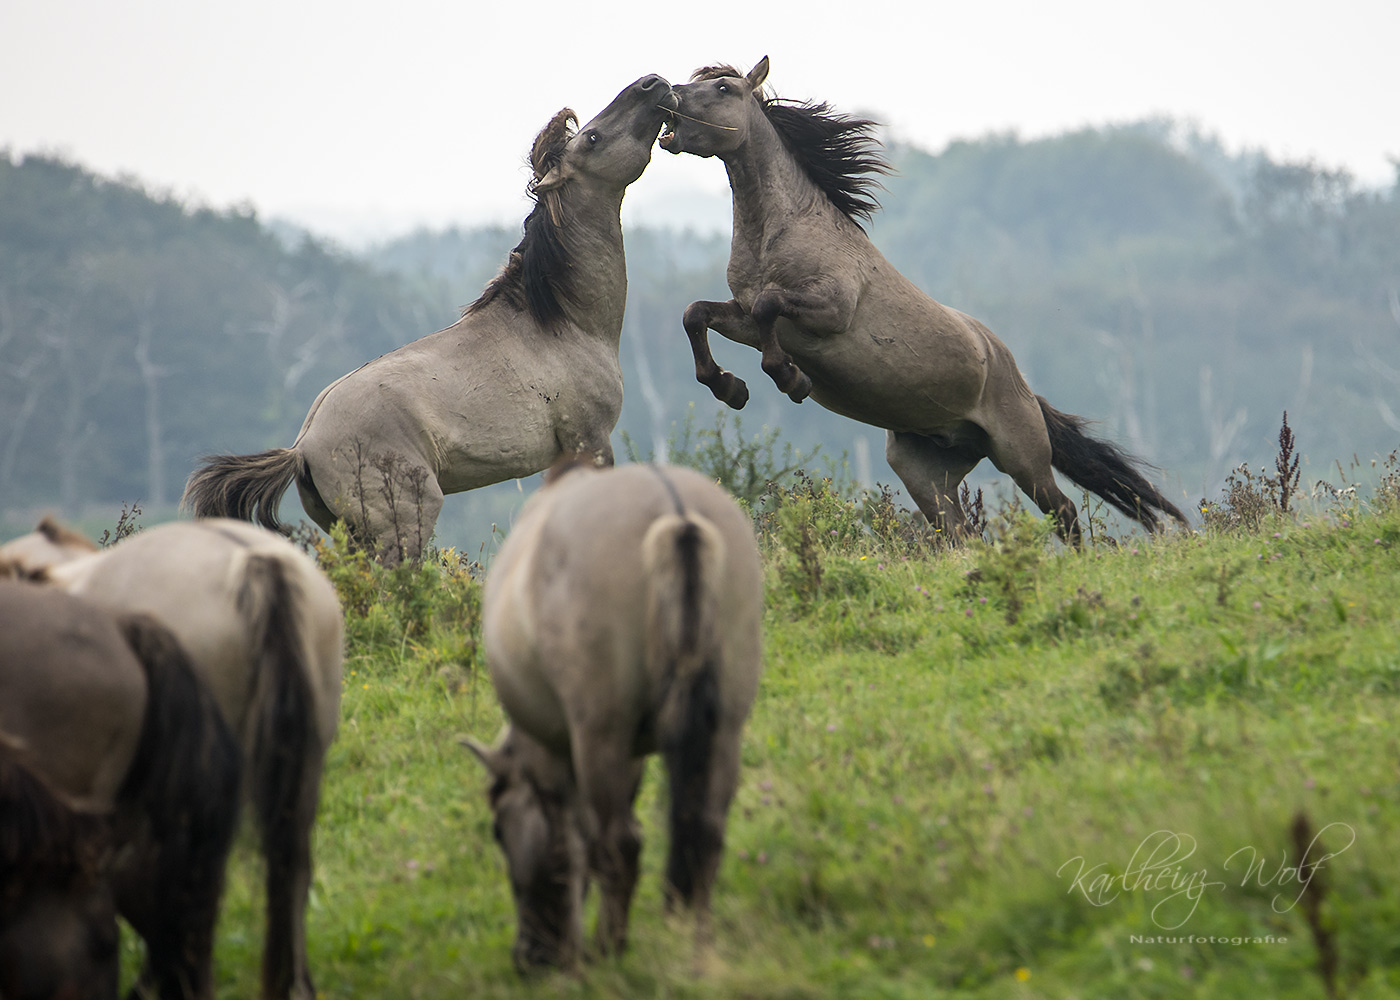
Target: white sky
[{"x": 388, "y": 114}]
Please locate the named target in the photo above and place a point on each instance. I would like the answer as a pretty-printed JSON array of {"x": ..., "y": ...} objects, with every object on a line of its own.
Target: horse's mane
[
  {"x": 536, "y": 277},
  {"x": 837, "y": 151},
  {"x": 43, "y": 839}
]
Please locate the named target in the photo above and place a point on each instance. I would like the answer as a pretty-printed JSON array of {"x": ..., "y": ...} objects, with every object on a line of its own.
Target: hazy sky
[{"x": 386, "y": 114}]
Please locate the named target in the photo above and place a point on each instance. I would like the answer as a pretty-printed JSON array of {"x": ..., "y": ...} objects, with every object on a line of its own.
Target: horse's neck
[
  {"x": 769, "y": 186},
  {"x": 593, "y": 234}
]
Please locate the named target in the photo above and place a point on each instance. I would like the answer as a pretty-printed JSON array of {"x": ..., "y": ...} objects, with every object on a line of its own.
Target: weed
[
  {"x": 1284, "y": 484},
  {"x": 1248, "y": 499},
  {"x": 1009, "y": 562},
  {"x": 745, "y": 467},
  {"x": 127, "y": 525}
]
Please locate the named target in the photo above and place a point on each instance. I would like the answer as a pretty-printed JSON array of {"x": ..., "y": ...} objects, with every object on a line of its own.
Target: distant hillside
[
  {"x": 1181, "y": 297},
  {"x": 137, "y": 334}
]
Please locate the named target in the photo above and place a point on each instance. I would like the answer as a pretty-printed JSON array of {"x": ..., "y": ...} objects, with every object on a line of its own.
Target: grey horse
[
  {"x": 835, "y": 320},
  {"x": 529, "y": 372},
  {"x": 263, "y": 628},
  {"x": 621, "y": 618},
  {"x": 119, "y": 789}
]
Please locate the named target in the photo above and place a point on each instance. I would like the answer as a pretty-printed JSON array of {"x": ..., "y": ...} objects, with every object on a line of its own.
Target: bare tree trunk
[{"x": 150, "y": 380}]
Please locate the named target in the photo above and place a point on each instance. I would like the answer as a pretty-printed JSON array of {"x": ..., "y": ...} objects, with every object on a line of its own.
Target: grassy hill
[{"x": 1153, "y": 768}]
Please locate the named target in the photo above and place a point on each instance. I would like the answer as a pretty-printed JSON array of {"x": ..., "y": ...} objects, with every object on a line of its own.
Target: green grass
[{"x": 941, "y": 743}]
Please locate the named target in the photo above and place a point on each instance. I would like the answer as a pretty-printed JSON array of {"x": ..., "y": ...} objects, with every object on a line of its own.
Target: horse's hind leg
[
  {"x": 286, "y": 970},
  {"x": 733, "y": 323},
  {"x": 402, "y": 514},
  {"x": 932, "y": 471},
  {"x": 698, "y": 824},
  {"x": 1019, "y": 445},
  {"x": 608, "y": 786}
]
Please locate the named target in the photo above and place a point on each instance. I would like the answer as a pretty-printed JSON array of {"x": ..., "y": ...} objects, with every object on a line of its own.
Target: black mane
[
  {"x": 537, "y": 276},
  {"x": 837, "y": 151}
]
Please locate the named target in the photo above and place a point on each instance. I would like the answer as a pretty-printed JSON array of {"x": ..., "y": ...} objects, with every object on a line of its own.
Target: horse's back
[
  {"x": 72, "y": 692},
  {"x": 193, "y": 576}
]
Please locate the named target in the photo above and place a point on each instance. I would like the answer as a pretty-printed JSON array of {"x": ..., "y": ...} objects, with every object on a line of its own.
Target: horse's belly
[{"x": 889, "y": 384}]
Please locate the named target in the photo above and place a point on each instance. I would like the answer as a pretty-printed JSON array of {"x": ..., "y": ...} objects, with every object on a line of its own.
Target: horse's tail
[
  {"x": 183, "y": 784},
  {"x": 684, "y": 557},
  {"x": 1103, "y": 468},
  {"x": 246, "y": 487},
  {"x": 284, "y": 749}
]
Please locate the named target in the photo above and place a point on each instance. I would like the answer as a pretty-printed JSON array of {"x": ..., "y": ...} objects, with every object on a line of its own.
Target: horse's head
[
  {"x": 535, "y": 824},
  {"x": 59, "y": 942},
  {"x": 58, "y": 922},
  {"x": 714, "y": 110},
  {"x": 614, "y": 148},
  {"x": 46, "y": 546}
]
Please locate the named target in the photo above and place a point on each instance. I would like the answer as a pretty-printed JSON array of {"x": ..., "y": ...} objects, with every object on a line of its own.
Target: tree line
[{"x": 1181, "y": 296}]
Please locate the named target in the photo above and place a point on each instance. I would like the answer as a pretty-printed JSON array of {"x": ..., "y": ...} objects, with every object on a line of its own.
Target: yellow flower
[
  {"x": 1022, "y": 974},
  {"x": 930, "y": 940}
]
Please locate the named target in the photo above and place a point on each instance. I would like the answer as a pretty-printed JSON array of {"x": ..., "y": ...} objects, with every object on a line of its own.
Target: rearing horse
[
  {"x": 528, "y": 373},
  {"x": 836, "y": 321}
]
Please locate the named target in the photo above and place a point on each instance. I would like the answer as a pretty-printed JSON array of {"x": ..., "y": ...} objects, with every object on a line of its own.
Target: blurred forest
[{"x": 1180, "y": 296}]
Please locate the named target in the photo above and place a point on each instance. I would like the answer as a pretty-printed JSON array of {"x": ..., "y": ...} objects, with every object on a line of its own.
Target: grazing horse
[
  {"x": 834, "y": 319},
  {"x": 529, "y": 372},
  {"x": 118, "y": 793},
  {"x": 263, "y": 627},
  {"x": 620, "y": 619}
]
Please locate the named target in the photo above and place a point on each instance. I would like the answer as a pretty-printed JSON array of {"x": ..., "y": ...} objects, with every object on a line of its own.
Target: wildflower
[
  {"x": 1022, "y": 974},
  {"x": 930, "y": 940}
]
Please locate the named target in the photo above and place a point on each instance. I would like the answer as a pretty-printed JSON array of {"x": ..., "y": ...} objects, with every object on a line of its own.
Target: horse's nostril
[{"x": 651, "y": 82}]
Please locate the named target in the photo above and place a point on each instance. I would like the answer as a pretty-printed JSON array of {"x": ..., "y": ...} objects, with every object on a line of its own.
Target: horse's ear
[
  {"x": 489, "y": 757},
  {"x": 758, "y": 74},
  {"x": 555, "y": 178}
]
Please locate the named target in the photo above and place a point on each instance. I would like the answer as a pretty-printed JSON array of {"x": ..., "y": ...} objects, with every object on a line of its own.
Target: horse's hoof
[
  {"x": 738, "y": 395},
  {"x": 801, "y": 388}
]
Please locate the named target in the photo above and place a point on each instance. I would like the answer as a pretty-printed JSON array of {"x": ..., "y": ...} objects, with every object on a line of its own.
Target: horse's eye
[
  {"x": 593, "y": 138},
  {"x": 723, "y": 88}
]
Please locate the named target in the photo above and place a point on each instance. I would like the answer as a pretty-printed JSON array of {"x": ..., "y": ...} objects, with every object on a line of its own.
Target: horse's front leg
[
  {"x": 699, "y": 318},
  {"x": 776, "y": 362},
  {"x": 825, "y": 307}
]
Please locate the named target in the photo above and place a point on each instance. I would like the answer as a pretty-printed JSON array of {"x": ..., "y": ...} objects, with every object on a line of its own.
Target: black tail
[
  {"x": 284, "y": 755},
  {"x": 1103, "y": 468},
  {"x": 680, "y": 554},
  {"x": 246, "y": 487},
  {"x": 184, "y": 785}
]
